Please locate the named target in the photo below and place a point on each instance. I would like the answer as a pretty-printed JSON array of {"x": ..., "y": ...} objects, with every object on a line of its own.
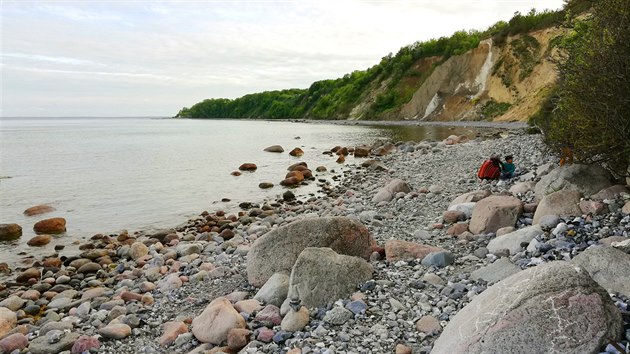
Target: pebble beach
[{"x": 417, "y": 251}]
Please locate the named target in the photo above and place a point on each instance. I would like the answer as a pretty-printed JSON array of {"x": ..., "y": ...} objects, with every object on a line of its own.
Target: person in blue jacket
[{"x": 508, "y": 168}]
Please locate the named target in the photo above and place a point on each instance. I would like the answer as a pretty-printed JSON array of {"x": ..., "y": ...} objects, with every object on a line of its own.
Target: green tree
[{"x": 593, "y": 98}]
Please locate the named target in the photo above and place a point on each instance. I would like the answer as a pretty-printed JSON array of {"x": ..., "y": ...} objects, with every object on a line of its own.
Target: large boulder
[
  {"x": 216, "y": 320},
  {"x": 564, "y": 202},
  {"x": 275, "y": 290},
  {"x": 50, "y": 226},
  {"x": 552, "y": 308},
  {"x": 493, "y": 213},
  {"x": 277, "y": 250},
  {"x": 586, "y": 179},
  {"x": 610, "y": 192},
  {"x": 608, "y": 266},
  {"x": 397, "y": 250},
  {"x": 321, "y": 276},
  {"x": 388, "y": 192},
  {"x": 274, "y": 148},
  {"x": 10, "y": 231},
  {"x": 471, "y": 197},
  {"x": 515, "y": 239}
]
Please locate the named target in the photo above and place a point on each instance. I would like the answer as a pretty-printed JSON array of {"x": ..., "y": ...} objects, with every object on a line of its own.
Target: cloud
[{"x": 200, "y": 49}]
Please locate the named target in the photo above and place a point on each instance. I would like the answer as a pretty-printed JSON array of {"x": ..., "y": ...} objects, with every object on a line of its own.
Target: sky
[{"x": 151, "y": 58}]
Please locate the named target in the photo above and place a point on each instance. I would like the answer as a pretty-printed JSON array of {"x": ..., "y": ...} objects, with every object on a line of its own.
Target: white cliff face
[
  {"x": 482, "y": 78},
  {"x": 433, "y": 104}
]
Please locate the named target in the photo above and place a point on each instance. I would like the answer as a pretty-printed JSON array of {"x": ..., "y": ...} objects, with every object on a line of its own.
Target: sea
[{"x": 105, "y": 175}]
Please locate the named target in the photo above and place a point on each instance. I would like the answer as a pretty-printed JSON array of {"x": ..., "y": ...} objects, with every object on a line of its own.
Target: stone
[
  {"x": 39, "y": 240},
  {"x": 277, "y": 250},
  {"x": 470, "y": 197},
  {"x": 439, "y": 259},
  {"x": 38, "y": 209},
  {"x": 610, "y": 192},
  {"x": 115, "y": 331},
  {"x": 216, "y": 320},
  {"x": 320, "y": 276},
  {"x": 522, "y": 187},
  {"x": 457, "y": 229},
  {"x": 584, "y": 179},
  {"x": 593, "y": 207},
  {"x": 42, "y": 345},
  {"x": 402, "y": 349},
  {"x": 252, "y": 305},
  {"x": 505, "y": 230},
  {"x": 274, "y": 148},
  {"x": 30, "y": 273},
  {"x": 13, "y": 303},
  {"x": 10, "y": 231},
  {"x": 15, "y": 341},
  {"x": 495, "y": 212},
  {"x": 137, "y": 250},
  {"x": 297, "y": 152},
  {"x": 237, "y": 338},
  {"x": 465, "y": 208},
  {"x": 514, "y": 240},
  {"x": 495, "y": 272},
  {"x": 269, "y": 315},
  {"x": 361, "y": 151},
  {"x": 265, "y": 185},
  {"x": 85, "y": 344},
  {"x": 555, "y": 307},
  {"x": 564, "y": 202},
  {"x": 8, "y": 321},
  {"x": 170, "y": 331},
  {"x": 397, "y": 250},
  {"x": 623, "y": 245},
  {"x": 248, "y": 167},
  {"x": 452, "y": 216},
  {"x": 626, "y": 208},
  {"x": 275, "y": 290},
  {"x": 338, "y": 316},
  {"x": 608, "y": 266},
  {"x": 90, "y": 267},
  {"x": 50, "y": 226},
  {"x": 549, "y": 222},
  {"x": 295, "y": 320},
  {"x": 388, "y": 192},
  {"x": 428, "y": 325}
]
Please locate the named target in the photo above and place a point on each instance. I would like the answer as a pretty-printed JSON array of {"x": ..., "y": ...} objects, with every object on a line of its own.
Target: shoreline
[{"x": 149, "y": 279}]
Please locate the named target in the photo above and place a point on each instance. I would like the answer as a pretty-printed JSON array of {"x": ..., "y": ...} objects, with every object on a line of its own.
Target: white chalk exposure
[
  {"x": 433, "y": 104},
  {"x": 482, "y": 78}
]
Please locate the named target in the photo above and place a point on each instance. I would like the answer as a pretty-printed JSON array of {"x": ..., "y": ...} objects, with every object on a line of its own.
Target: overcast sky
[{"x": 150, "y": 58}]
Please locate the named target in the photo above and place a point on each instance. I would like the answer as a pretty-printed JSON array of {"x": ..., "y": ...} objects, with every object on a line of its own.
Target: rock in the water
[
  {"x": 555, "y": 307},
  {"x": 396, "y": 250},
  {"x": 275, "y": 290},
  {"x": 320, "y": 276},
  {"x": 8, "y": 321},
  {"x": 248, "y": 167},
  {"x": 10, "y": 231},
  {"x": 265, "y": 185},
  {"x": 38, "y": 209},
  {"x": 493, "y": 213},
  {"x": 278, "y": 250},
  {"x": 496, "y": 271},
  {"x": 216, "y": 320},
  {"x": 50, "y": 226},
  {"x": 274, "y": 148},
  {"x": 16, "y": 341},
  {"x": 361, "y": 151},
  {"x": 514, "y": 240},
  {"x": 39, "y": 240},
  {"x": 564, "y": 202},
  {"x": 608, "y": 266},
  {"x": 296, "y": 152},
  {"x": 388, "y": 192},
  {"x": 295, "y": 320},
  {"x": 585, "y": 179}
]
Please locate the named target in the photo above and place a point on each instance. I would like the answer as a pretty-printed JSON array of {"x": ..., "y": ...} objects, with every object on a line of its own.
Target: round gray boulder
[{"x": 586, "y": 179}]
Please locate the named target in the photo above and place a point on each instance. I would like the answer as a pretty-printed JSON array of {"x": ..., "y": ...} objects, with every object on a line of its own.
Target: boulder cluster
[{"x": 409, "y": 253}]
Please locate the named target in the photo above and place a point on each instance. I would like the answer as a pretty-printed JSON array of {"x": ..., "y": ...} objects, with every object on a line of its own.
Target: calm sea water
[{"x": 109, "y": 174}]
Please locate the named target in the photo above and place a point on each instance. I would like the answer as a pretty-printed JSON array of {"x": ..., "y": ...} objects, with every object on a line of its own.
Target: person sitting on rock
[{"x": 508, "y": 168}]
